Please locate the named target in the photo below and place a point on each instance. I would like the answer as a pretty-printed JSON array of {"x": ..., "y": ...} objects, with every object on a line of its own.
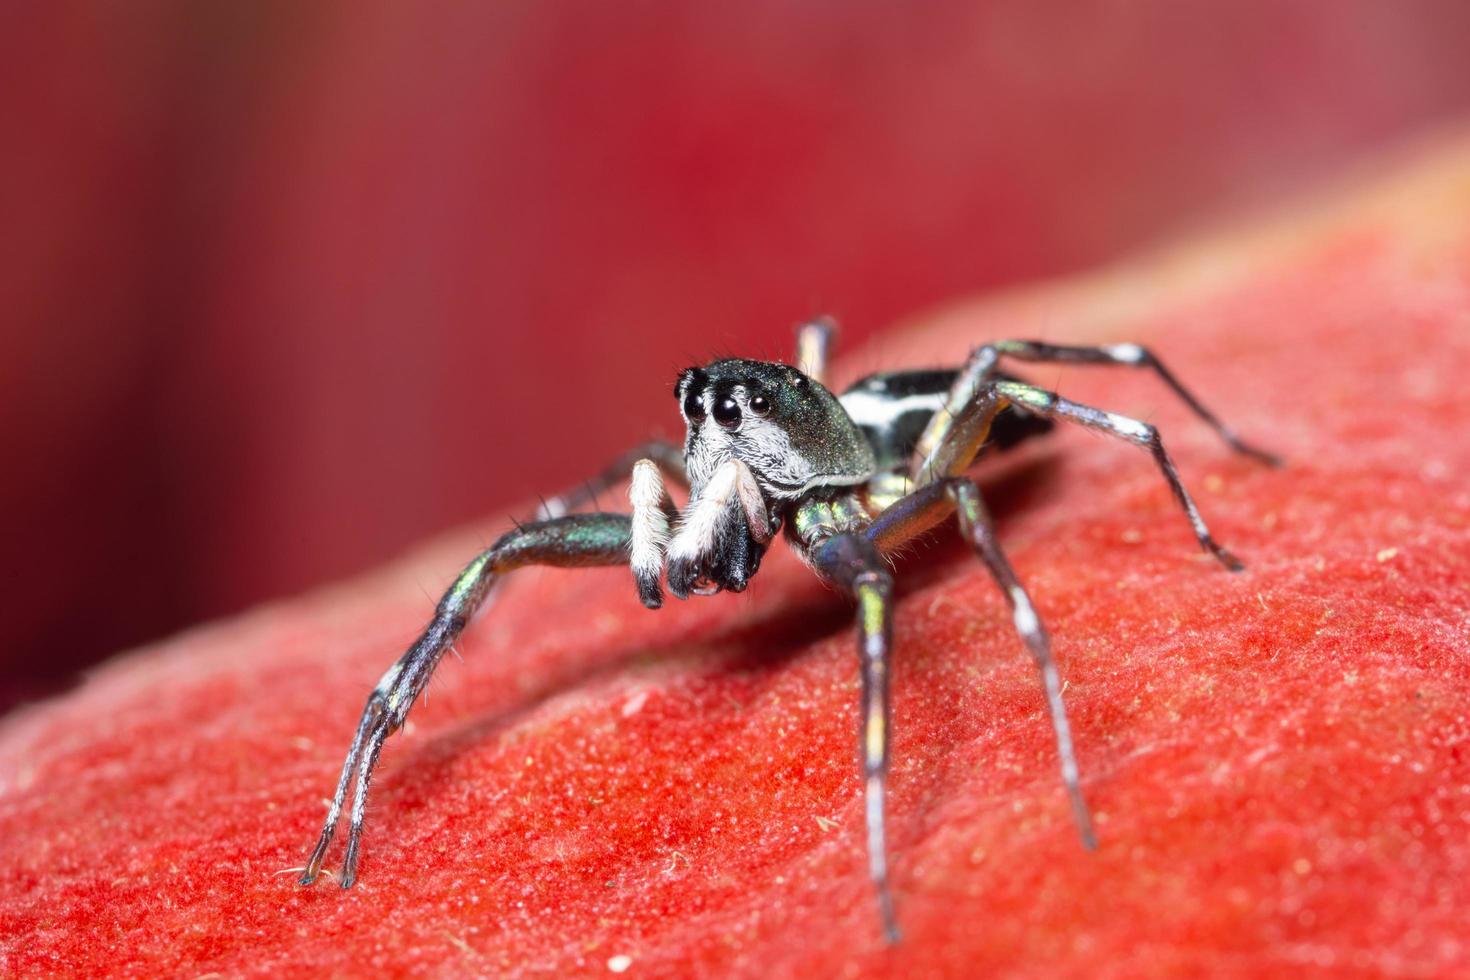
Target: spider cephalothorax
[
  {"x": 759, "y": 436},
  {"x": 786, "y": 427},
  {"x": 851, "y": 478}
]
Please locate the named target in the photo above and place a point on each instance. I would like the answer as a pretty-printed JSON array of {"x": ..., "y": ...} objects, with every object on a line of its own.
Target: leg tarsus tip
[
  {"x": 891, "y": 933},
  {"x": 1224, "y": 556},
  {"x": 1246, "y": 449},
  {"x": 313, "y": 869},
  {"x": 349, "y": 864},
  {"x": 1270, "y": 459},
  {"x": 1082, "y": 817}
]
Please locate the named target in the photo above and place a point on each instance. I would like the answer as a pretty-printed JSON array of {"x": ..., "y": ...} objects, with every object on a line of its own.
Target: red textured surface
[{"x": 1277, "y": 759}]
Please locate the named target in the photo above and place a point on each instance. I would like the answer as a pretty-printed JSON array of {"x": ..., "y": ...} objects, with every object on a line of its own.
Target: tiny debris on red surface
[{"x": 1276, "y": 759}]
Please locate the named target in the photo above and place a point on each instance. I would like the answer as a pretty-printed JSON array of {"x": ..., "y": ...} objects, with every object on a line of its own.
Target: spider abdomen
[{"x": 892, "y": 408}]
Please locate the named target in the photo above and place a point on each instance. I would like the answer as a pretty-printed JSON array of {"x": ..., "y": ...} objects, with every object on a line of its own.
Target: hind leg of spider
[
  {"x": 969, "y": 426},
  {"x": 929, "y": 506},
  {"x": 852, "y": 564},
  {"x": 578, "y": 541},
  {"x": 1134, "y": 356},
  {"x": 668, "y": 457},
  {"x": 813, "y": 345},
  {"x": 980, "y": 370}
]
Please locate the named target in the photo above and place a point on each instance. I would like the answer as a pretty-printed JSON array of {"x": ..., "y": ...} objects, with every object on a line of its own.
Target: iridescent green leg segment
[
  {"x": 578, "y": 541},
  {"x": 959, "y": 496},
  {"x": 852, "y": 563}
]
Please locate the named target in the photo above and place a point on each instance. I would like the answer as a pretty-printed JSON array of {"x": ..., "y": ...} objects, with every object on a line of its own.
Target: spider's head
[
  {"x": 760, "y": 435},
  {"x": 789, "y": 430}
]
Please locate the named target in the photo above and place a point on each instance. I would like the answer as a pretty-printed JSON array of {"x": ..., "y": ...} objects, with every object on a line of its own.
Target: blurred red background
[{"x": 287, "y": 286}]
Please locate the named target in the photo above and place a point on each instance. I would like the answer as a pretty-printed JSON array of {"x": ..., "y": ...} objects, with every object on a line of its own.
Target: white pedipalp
[
  {"x": 703, "y": 520},
  {"x": 650, "y": 528}
]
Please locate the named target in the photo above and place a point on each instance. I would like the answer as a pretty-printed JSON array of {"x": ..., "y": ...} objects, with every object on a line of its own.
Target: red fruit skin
[{"x": 1277, "y": 759}]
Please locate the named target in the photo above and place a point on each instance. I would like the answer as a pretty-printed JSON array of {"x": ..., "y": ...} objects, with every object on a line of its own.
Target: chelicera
[{"x": 849, "y": 478}]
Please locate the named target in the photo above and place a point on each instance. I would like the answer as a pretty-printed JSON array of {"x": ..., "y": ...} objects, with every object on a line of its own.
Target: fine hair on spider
[{"x": 850, "y": 479}]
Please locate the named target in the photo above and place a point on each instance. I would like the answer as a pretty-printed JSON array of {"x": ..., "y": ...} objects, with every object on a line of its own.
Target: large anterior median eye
[
  {"x": 694, "y": 407},
  {"x": 727, "y": 412},
  {"x": 759, "y": 405}
]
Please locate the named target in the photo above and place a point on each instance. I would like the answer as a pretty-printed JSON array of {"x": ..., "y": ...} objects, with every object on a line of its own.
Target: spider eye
[
  {"x": 694, "y": 408},
  {"x": 727, "y": 412},
  {"x": 759, "y": 405}
]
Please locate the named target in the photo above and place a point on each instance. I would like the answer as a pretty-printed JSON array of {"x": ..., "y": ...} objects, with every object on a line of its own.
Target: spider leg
[
  {"x": 967, "y": 428},
  {"x": 852, "y": 563},
  {"x": 666, "y": 455},
  {"x": 1131, "y": 355},
  {"x": 813, "y": 345},
  {"x": 981, "y": 365},
  {"x": 927, "y": 507},
  {"x": 578, "y": 541},
  {"x": 942, "y": 432}
]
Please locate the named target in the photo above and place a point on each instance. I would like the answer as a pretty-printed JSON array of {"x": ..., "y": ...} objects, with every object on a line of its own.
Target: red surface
[
  {"x": 287, "y": 286},
  {"x": 1277, "y": 759}
]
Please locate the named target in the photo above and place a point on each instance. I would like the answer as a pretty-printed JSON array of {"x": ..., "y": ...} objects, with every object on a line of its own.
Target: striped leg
[
  {"x": 927, "y": 507},
  {"x": 1131, "y": 355},
  {"x": 851, "y": 562},
  {"x": 968, "y": 427},
  {"x": 980, "y": 369},
  {"x": 583, "y": 540}
]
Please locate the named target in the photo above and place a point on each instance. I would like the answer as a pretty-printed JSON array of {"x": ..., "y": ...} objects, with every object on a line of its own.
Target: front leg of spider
[
  {"x": 577, "y": 541},
  {"x": 851, "y": 563},
  {"x": 921, "y": 510}
]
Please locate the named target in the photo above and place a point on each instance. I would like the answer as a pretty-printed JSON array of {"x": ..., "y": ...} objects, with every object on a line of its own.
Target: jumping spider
[{"x": 850, "y": 478}]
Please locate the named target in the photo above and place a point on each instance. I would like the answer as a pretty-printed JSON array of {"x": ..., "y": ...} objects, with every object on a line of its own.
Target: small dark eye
[
  {"x": 760, "y": 405},
  {"x": 693, "y": 407},
  {"x": 727, "y": 413}
]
